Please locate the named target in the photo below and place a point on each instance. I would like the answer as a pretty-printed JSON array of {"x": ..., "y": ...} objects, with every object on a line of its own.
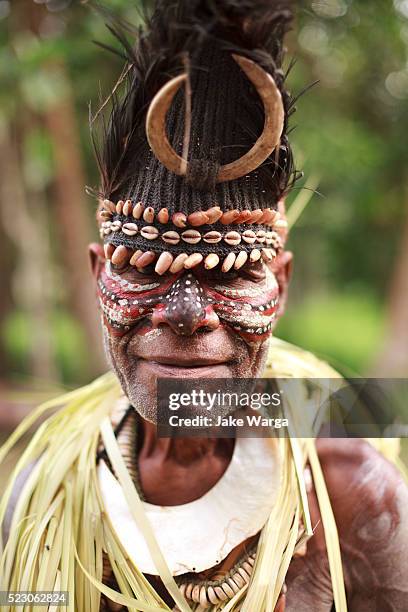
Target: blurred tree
[
  {"x": 350, "y": 129},
  {"x": 72, "y": 220},
  {"x": 348, "y": 298},
  {"x": 393, "y": 359},
  {"x": 31, "y": 289}
]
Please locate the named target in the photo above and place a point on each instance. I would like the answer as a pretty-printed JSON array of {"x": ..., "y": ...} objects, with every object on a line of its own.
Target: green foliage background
[{"x": 350, "y": 133}]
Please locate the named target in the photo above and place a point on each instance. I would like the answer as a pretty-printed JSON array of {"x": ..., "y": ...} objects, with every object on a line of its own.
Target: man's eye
[
  {"x": 216, "y": 274},
  {"x": 251, "y": 271},
  {"x": 119, "y": 269},
  {"x": 132, "y": 274},
  {"x": 143, "y": 272},
  {"x": 254, "y": 271}
]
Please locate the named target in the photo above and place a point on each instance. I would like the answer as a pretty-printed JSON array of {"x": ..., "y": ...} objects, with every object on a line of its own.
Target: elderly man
[{"x": 192, "y": 278}]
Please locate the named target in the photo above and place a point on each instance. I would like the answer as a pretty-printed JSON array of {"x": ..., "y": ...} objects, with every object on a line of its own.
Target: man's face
[{"x": 195, "y": 324}]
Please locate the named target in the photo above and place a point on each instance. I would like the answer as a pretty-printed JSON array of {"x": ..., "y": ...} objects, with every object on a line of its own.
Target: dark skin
[
  {"x": 368, "y": 496},
  {"x": 178, "y": 471},
  {"x": 173, "y": 462},
  {"x": 167, "y": 465},
  {"x": 370, "y": 502},
  {"x": 352, "y": 468}
]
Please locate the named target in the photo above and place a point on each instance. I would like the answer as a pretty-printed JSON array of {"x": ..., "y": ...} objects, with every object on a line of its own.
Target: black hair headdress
[{"x": 171, "y": 184}]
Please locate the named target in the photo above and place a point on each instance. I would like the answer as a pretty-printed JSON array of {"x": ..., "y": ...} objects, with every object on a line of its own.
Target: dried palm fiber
[{"x": 59, "y": 527}]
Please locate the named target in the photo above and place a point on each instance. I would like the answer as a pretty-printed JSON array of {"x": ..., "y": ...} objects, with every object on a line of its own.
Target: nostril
[
  {"x": 158, "y": 317},
  {"x": 211, "y": 320},
  {"x": 204, "y": 330}
]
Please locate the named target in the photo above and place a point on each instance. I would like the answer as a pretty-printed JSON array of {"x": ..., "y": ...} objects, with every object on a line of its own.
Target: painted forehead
[{"x": 247, "y": 307}]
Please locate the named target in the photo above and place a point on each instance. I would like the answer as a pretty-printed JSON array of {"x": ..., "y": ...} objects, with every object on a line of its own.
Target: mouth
[
  {"x": 186, "y": 368},
  {"x": 186, "y": 361}
]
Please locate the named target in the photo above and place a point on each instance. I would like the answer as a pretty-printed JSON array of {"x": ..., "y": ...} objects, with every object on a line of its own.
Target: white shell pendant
[{"x": 198, "y": 535}]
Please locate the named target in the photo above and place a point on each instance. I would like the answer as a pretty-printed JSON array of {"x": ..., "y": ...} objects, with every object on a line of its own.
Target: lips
[
  {"x": 199, "y": 350},
  {"x": 184, "y": 361},
  {"x": 185, "y": 370},
  {"x": 199, "y": 356}
]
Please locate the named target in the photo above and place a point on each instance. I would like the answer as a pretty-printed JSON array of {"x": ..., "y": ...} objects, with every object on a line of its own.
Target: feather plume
[{"x": 176, "y": 28}]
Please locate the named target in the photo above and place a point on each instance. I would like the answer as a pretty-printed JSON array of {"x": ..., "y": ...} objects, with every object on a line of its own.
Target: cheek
[
  {"x": 251, "y": 311},
  {"x": 253, "y": 364},
  {"x": 113, "y": 344},
  {"x": 124, "y": 305}
]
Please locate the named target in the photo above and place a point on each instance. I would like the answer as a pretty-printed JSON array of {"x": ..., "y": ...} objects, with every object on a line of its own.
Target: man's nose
[{"x": 186, "y": 308}]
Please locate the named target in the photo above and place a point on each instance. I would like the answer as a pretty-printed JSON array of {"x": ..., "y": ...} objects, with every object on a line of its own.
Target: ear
[
  {"x": 282, "y": 268},
  {"x": 96, "y": 258}
]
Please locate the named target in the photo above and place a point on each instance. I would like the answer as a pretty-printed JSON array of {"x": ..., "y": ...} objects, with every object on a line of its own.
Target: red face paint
[
  {"x": 250, "y": 311},
  {"x": 187, "y": 302},
  {"x": 126, "y": 304}
]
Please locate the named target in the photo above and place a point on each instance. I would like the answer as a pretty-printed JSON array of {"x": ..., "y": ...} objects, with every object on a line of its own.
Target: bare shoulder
[
  {"x": 370, "y": 501},
  {"x": 363, "y": 485}
]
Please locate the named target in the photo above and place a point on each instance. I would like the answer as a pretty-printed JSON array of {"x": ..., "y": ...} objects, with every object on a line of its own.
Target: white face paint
[
  {"x": 255, "y": 315},
  {"x": 125, "y": 284}
]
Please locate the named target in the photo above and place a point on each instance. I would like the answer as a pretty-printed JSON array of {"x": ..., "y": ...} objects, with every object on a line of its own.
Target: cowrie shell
[
  {"x": 130, "y": 229},
  {"x": 171, "y": 237},
  {"x": 260, "y": 236},
  {"x": 149, "y": 232},
  {"x": 191, "y": 236},
  {"x": 212, "y": 237},
  {"x": 232, "y": 238},
  {"x": 249, "y": 236}
]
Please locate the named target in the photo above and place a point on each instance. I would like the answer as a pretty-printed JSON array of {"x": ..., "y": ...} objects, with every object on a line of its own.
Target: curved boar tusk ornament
[{"x": 263, "y": 147}]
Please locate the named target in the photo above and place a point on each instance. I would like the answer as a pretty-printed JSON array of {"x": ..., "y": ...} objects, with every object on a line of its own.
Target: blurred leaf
[
  {"x": 43, "y": 88},
  {"x": 344, "y": 328},
  {"x": 38, "y": 160},
  {"x": 350, "y": 132}
]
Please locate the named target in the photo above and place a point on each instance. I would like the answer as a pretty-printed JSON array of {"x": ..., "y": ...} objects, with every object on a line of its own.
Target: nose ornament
[{"x": 186, "y": 308}]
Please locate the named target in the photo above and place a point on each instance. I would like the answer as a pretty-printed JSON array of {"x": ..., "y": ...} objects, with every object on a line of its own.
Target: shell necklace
[{"x": 198, "y": 535}]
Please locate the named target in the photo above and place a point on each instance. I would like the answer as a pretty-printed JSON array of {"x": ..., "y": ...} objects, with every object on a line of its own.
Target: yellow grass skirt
[{"x": 59, "y": 529}]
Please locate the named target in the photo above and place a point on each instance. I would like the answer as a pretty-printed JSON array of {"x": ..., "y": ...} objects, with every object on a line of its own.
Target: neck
[
  {"x": 185, "y": 450},
  {"x": 174, "y": 471}
]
